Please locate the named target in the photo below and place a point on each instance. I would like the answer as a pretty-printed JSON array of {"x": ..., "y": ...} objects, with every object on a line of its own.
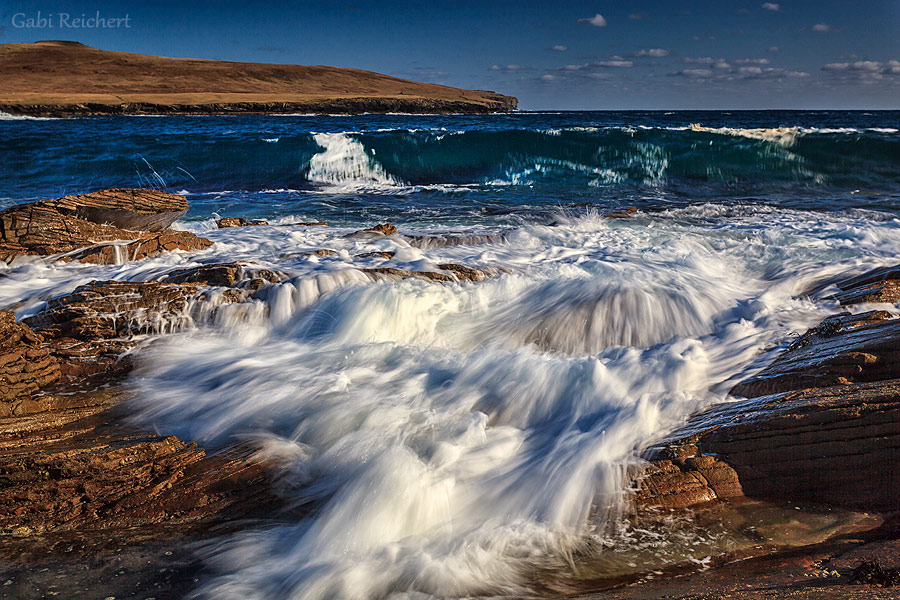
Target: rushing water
[{"x": 454, "y": 439}]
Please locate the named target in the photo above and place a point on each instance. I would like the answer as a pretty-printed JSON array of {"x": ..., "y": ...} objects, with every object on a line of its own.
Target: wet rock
[
  {"x": 464, "y": 273},
  {"x": 428, "y": 242},
  {"x": 25, "y": 365},
  {"x": 148, "y": 245},
  {"x": 62, "y": 226},
  {"x": 878, "y": 285},
  {"x": 384, "y": 255},
  {"x": 622, "y": 213},
  {"x": 238, "y": 222},
  {"x": 90, "y": 329},
  {"x": 76, "y": 466},
  {"x": 242, "y": 275},
  {"x": 838, "y": 445},
  {"x": 456, "y": 273},
  {"x": 843, "y": 349},
  {"x": 391, "y": 274},
  {"x": 322, "y": 252},
  {"x": 381, "y": 230},
  {"x": 313, "y": 224}
]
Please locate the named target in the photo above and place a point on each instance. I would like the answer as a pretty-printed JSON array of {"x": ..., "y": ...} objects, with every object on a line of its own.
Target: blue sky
[{"x": 552, "y": 55}]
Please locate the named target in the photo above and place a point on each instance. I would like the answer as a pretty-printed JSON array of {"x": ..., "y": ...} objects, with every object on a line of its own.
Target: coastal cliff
[{"x": 63, "y": 79}]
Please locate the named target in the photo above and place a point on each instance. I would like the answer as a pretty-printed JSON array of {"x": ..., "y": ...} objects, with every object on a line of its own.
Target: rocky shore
[{"x": 87, "y": 496}]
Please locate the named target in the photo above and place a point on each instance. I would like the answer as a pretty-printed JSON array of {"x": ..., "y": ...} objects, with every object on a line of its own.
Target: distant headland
[{"x": 64, "y": 79}]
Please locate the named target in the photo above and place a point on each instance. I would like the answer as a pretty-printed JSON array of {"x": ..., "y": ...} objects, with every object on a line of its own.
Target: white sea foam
[
  {"x": 345, "y": 165},
  {"x": 451, "y": 437}
]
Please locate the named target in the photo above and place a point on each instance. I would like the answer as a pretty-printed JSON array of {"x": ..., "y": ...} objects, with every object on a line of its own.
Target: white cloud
[
  {"x": 773, "y": 6},
  {"x": 637, "y": 16},
  {"x": 753, "y": 61},
  {"x": 597, "y": 20},
  {"x": 508, "y": 68},
  {"x": 821, "y": 28},
  {"x": 559, "y": 48},
  {"x": 548, "y": 77},
  {"x": 695, "y": 73},
  {"x": 653, "y": 52},
  {"x": 774, "y": 48},
  {"x": 865, "y": 70}
]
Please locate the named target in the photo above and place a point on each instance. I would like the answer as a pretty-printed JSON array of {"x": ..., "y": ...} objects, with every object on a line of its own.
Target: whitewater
[{"x": 461, "y": 439}]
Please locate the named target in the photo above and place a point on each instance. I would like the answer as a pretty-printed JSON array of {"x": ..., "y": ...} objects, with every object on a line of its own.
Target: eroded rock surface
[
  {"x": 25, "y": 364},
  {"x": 238, "y": 222},
  {"x": 136, "y": 219}
]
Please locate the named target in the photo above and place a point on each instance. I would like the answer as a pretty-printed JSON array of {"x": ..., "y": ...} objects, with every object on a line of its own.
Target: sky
[{"x": 688, "y": 54}]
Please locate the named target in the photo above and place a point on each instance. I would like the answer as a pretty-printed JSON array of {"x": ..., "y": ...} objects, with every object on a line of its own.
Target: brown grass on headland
[{"x": 57, "y": 78}]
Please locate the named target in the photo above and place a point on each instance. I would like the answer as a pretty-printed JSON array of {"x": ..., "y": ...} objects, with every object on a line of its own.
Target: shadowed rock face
[{"x": 83, "y": 223}]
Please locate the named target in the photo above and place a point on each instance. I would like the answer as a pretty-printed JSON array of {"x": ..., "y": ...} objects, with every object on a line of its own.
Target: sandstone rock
[
  {"x": 377, "y": 254},
  {"x": 838, "y": 445},
  {"x": 428, "y": 242},
  {"x": 148, "y": 245},
  {"x": 878, "y": 285},
  {"x": 381, "y": 230},
  {"x": 622, "y": 213},
  {"x": 63, "y": 226},
  {"x": 238, "y": 222},
  {"x": 76, "y": 466},
  {"x": 240, "y": 275},
  {"x": 90, "y": 329},
  {"x": 313, "y": 224},
  {"x": 25, "y": 365},
  {"x": 391, "y": 274},
  {"x": 131, "y": 209},
  {"x": 457, "y": 273},
  {"x": 842, "y": 349}
]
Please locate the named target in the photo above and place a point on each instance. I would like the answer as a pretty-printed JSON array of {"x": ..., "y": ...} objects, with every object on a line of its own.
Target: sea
[{"x": 474, "y": 438}]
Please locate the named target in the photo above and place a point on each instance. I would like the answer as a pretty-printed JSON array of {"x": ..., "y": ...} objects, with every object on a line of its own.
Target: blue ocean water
[
  {"x": 465, "y": 168},
  {"x": 470, "y": 438}
]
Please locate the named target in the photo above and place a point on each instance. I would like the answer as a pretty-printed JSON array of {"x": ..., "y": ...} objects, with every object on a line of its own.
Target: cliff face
[{"x": 70, "y": 79}]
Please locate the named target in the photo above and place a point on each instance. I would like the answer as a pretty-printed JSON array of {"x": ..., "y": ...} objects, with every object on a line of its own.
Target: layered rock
[
  {"x": 25, "y": 364},
  {"x": 820, "y": 424},
  {"x": 237, "y": 222},
  {"x": 83, "y": 226}
]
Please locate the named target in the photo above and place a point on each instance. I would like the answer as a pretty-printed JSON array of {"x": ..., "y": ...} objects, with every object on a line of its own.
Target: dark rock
[
  {"x": 90, "y": 329},
  {"x": 878, "y": 285},
  {"x": 464, "y": 273},
  {"x": 384, "y": 255}
]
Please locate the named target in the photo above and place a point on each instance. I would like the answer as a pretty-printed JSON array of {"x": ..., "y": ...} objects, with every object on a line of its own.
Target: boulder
[
  {"x": 877, "y": 285},
  {"x": 241, "y": 275}
]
